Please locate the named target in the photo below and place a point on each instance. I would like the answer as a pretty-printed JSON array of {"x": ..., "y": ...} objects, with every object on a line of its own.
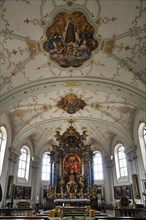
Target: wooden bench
[
  {"x": 16, "y": 211},
  {"x": 118, "y": 218},
  {"x": 24, "y": 217}
]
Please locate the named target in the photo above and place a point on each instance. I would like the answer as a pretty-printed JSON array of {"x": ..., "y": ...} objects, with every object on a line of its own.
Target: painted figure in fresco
[
  {"x": 54, "y": 42},
  {"x": 70, "y": 32}
]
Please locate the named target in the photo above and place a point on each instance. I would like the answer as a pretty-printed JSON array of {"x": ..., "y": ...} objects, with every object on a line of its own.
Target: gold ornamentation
[
  {"x": 71, "y": 141},
  {"x": 69, "y": 154},
  {"x": 110, "y": 45},
  {"x": 71, "y": 83},
  {"x": 70, "y": 3},
  {"x": 33, "y": 48}
]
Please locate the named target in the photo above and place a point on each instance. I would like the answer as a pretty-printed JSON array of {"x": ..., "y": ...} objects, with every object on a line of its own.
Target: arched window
[
  {"x": 24, "y": 162},
  {"x": 144, "y": 134},
  {"x": 120, "y": 161},
  {"x": 46, "y": 167},
  {"x": 3, "y": 141},
  {"x": 97, "y": 166},
  {"x": 142, "y": 141}
]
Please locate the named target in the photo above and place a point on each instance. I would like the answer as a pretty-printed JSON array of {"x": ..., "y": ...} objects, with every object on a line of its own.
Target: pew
[
  {"x": 119, "y": 218},
  {"x": 47, "y": 218},
  {"x": 23, "y": 217},
  {"x": 16, "y": 211}
]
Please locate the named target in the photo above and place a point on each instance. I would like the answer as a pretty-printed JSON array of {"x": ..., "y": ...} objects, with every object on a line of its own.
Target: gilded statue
[{"x": 71, "y": 186}]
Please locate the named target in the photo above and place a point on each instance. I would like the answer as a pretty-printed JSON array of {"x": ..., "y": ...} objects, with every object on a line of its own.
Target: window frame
[
  {"x": 99, "y": 166},
  {"x": 3, "y": 143},
  {"x": 24, "y": 163},
  {"x": 142, "y": 142},
  {"x": 46, "y": 166},
  {"x": 120, "y": 161}
]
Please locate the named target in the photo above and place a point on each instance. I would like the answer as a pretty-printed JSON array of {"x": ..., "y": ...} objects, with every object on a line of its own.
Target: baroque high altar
[{"x": 72, "y": 170}]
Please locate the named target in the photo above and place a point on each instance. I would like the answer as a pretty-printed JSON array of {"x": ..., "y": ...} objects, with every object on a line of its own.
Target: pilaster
[
  {"x": 35, "y": 162},
  {"x": 108, "y": 160},
  {"x": 131, "y": 153},
  {"x": 13, "y": 159},
  {"x": 108, "y": 178},
  {"x": 36, "y": 175},
  {"x": 131, "y": 156}
]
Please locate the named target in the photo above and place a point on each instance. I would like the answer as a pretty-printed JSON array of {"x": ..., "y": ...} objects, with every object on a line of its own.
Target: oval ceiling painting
[{"x": 70, "y": 39}]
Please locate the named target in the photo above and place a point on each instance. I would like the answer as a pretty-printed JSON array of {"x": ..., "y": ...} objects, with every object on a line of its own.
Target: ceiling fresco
[
  {"x": 70, "y": 39},
  {"x": 71, "y": 103},
  {"x": 66, "y": 61}
]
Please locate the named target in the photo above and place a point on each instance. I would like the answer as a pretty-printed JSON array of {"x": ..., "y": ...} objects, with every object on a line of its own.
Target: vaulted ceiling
[{"x": 109, "y": 77}]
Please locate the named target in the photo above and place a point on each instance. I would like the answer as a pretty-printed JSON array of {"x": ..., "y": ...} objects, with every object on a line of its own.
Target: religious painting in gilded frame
[
  {"x": 135, "y": 186},
  {"x": 27, "y": 192},
  {"x": 10, "y": 187},
  {"x": 144, "y": 186},
  {"x": 117, "y": 192},
  {"x": 126, "y": 191},
  {"x": 45, "y": 192},
  {"x": 18, "y": 192}
]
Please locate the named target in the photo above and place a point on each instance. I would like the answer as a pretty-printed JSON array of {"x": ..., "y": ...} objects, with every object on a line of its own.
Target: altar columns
[
  {"x": 88, "y": 169},
  {"x": 54, "y": 169},
  {"x": 51, "y": 173},
  {"x": 89, "y": 174},
  {"x": 83, "y": 168},
  {"x": 54, "y": 174}
]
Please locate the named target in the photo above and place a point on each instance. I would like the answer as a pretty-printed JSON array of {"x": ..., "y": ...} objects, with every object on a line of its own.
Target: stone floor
[{"x": 110, "y": 213}]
